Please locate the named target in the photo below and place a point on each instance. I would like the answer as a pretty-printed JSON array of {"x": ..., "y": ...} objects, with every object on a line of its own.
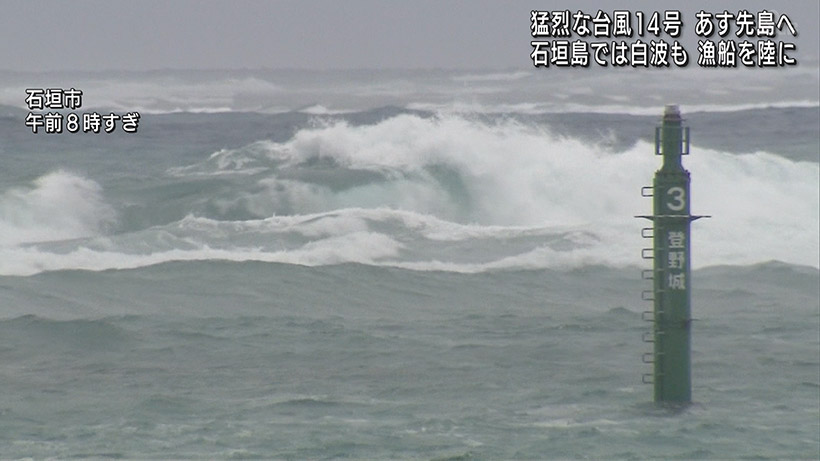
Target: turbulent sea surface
[{"x": 410, "y": 265}]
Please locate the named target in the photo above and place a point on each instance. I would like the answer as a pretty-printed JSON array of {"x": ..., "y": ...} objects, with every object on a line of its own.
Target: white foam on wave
[
  {"x": 244, "y": 161},
  {"x": 349, "y": 220},
  {"x": 318, "y": 109},
  {"x": 356, "y": 247},
  {"x": 638, "y": 92},
  {"x": 513, "y": 196},
  {"x": 56, "y": 206},
  {"x": 513, "y": 174},
  {"x": 765, "y": 206},
  {"x": 564, "y": 106},
  {"x": 492, "y": 77}
]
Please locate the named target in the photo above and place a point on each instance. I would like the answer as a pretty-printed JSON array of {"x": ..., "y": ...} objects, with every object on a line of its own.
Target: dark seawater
[
  {"x": 410, "y": 277},
  {"x": 219, "y": 359}
]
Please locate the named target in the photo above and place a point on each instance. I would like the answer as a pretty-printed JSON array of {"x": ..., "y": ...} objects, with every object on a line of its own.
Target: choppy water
[{"x": 375, "y": 271}]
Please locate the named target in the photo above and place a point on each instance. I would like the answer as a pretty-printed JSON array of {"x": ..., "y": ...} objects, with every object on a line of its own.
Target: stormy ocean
[{"x": 402, "y": 265}]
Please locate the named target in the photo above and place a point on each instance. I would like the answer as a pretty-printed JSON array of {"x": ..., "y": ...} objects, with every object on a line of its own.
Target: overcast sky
[{"x": 312, "y": 34}]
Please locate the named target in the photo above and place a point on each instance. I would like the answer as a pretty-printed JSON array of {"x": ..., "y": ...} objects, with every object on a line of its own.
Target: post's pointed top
[{"x": 671, "y": 112}]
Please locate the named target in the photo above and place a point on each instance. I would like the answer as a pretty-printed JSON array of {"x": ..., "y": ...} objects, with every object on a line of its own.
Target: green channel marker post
[{"x": 671, "y": 294}]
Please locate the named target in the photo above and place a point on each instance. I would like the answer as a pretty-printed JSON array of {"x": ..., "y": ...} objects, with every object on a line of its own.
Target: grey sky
[{"x": 313, "y": 34}]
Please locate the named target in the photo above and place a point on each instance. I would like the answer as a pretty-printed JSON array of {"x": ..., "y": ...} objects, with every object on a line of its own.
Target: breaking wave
[
  {"x": 424, "y": 193},
  {"x": 57, "y": 206}
]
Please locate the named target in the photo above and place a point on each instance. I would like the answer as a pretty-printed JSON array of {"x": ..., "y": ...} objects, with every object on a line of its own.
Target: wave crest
[
  {"x": 57, "y": 206},
  {"x": 424, "y": 193}
]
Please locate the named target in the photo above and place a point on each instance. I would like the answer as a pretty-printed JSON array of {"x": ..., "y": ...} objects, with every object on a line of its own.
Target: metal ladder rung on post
[
  {"x": 649, "y": 316},
  {"x": 648, "y": 357}
]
